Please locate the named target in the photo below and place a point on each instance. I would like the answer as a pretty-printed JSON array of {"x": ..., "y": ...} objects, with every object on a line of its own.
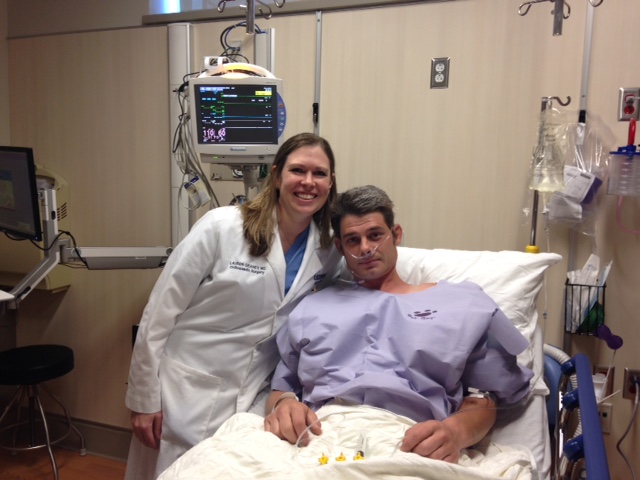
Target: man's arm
[
  {"x": 288, "y": 418},
  {"x": 444, "y": 440}
]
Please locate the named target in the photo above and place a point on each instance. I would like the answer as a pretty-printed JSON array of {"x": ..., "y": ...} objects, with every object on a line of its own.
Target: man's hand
[
  {"x": 290, "y": 419},
  {"x": 444, "y": 440},
  {"x": 433, "y": 439},
  {"x": 148, "y": 428}
]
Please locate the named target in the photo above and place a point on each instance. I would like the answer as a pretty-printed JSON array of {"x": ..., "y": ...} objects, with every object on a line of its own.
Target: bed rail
[{"x": 588, "y": 444}]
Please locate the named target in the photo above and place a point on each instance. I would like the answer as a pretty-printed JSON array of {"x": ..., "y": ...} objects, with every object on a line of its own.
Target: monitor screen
[
  {"x": 237, "y": 120},
  {"x": 19, "y": 203}
]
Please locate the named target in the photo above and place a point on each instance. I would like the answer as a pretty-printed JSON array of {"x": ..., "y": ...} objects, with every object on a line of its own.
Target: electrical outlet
[
  {"x": 608, "y": 388},
  {"x": 604, "y": 409},
  {"x": 628, "y": 104},
  {"x": 629, "y": 389},
  {"x": 440, "y": 72}
]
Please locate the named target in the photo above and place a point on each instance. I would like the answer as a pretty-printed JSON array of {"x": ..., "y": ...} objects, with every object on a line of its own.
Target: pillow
[{"x": 512, "y": 279}]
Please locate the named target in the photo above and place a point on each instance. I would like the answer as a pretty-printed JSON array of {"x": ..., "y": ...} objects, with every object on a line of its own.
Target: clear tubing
[{"x": 369, "y": 253}]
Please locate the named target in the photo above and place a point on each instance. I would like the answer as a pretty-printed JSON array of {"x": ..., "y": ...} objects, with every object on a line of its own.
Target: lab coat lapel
[
  {"x": 278, "y": 263},
  {"x": 311, "y": 263}
]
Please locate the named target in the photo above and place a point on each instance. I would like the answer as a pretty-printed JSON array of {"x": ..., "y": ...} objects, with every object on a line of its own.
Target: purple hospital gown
[{"x": 412, "y": 354}]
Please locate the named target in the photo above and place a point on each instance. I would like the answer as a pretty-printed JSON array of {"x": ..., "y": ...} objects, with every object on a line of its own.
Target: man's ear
[
  {"x": 397, "y": 234},
  {"x": 338, "y": 245}
]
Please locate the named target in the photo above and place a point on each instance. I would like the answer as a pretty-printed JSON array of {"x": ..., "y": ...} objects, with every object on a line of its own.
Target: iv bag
[
  {"x": 586, "y": 168},
  {"x": 548, "y": 173},
  {"x": 549, "y": 154}
]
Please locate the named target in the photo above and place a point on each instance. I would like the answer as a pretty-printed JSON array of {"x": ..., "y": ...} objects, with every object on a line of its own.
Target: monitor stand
[{"x": 58, "y": 251}]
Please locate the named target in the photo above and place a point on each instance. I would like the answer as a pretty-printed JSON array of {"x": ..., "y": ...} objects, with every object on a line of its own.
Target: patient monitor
[{"x": 238, "y": 115}]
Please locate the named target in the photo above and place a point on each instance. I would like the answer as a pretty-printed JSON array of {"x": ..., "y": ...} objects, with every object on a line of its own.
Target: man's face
[{"x": 369, "y": 245}]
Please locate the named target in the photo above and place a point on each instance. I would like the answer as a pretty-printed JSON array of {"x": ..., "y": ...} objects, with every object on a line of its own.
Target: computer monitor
[
  {"x": 19, "y": 202},
  {"x": 239, "y": 120}
]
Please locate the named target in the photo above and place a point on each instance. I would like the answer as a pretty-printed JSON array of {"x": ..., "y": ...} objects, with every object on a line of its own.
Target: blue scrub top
[{"x": 293, "y": 258}]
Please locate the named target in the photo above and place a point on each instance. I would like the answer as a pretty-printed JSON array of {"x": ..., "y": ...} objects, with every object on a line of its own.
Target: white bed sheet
[
  {"x": 516, "y": 448},
  {"x": 241, "y": 449}
]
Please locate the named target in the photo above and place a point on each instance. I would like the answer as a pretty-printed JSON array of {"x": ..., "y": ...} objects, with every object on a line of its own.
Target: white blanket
[{"x": 241, "y": 449}]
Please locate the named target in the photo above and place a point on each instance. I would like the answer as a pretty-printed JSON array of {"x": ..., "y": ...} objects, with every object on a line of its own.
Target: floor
[{"x": 35, "y": 465}]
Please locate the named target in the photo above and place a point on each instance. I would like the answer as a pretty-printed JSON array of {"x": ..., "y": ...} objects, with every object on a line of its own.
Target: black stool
[{"x": 28, "y": 367}]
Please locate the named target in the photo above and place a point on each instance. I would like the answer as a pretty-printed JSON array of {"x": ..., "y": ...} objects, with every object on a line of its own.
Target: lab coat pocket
[{"x": 189, "y": 397}]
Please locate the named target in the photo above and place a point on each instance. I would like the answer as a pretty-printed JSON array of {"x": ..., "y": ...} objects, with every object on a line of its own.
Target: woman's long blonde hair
[{"x": 258, "y": 219}]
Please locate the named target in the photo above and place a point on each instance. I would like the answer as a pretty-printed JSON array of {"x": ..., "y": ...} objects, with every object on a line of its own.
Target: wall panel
[
  {"x": 448, "y": 157},
  {"x": 94, "y": 107}
]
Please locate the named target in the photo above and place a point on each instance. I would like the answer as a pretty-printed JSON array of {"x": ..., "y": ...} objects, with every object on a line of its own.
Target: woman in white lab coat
[{"x": 205, "y": 346}]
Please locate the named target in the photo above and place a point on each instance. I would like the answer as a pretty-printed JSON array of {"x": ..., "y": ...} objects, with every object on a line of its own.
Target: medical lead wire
[{"x": 636, "y": 382}]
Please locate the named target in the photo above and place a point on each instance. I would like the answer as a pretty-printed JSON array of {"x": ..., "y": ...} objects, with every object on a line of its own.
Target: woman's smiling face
[{"x": 304, "y": 183}]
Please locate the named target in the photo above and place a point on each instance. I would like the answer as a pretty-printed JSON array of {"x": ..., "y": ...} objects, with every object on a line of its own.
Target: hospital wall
[{"x": 456, "y": 161}]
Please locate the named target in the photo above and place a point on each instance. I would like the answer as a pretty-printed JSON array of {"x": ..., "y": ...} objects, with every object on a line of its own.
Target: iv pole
[
  {"x": 250, "y": 7},
  {"x": 544, "y": 105}
]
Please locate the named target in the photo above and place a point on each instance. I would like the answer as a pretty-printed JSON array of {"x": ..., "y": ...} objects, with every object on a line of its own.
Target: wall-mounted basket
[{"x": 583, "y": 308}]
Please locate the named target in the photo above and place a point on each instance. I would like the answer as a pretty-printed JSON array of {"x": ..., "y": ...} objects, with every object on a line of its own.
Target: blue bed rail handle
[
  {"x": 590, "y": 444},
  {"x": 574, "y": 448}
]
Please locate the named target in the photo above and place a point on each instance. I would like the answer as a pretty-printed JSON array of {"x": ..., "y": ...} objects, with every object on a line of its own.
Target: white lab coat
[{"x": 206, "y": 345}]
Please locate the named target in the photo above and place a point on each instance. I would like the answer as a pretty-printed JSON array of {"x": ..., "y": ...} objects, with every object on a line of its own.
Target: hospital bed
[{"x": 522, "y": 433}]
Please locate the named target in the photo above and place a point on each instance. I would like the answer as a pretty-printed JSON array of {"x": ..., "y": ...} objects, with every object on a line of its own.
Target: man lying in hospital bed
[{"x": 342, "y": 349}]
